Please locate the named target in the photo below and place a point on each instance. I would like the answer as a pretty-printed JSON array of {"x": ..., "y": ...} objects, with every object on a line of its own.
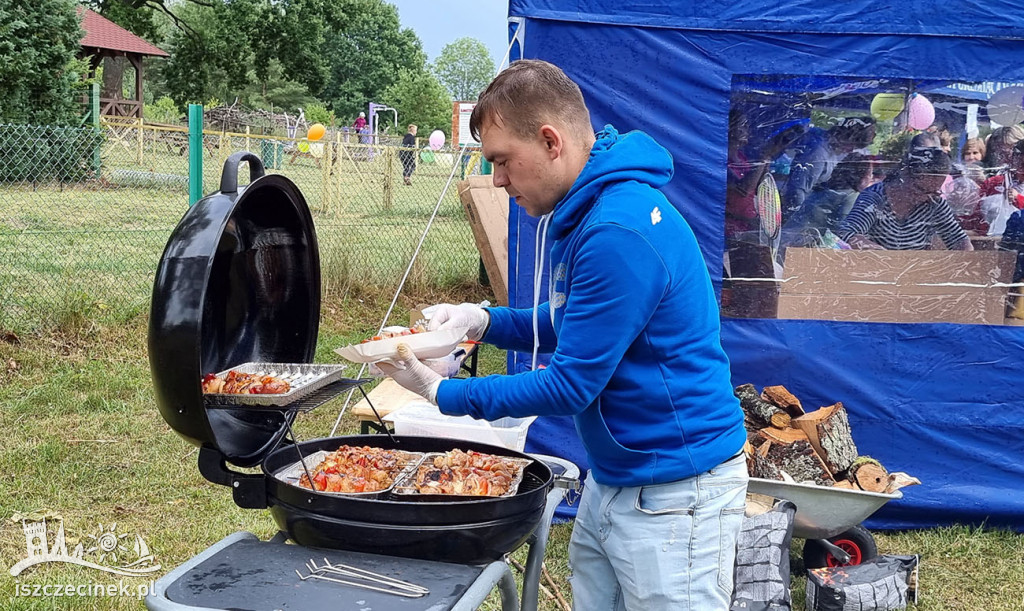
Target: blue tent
[{"x": 940, "y": 401}]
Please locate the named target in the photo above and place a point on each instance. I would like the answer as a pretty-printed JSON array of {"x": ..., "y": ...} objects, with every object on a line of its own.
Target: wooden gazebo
[{"x": 105, "y": 39}]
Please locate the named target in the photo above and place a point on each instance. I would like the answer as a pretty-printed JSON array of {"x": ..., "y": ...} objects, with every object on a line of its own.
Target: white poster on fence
[{"x": 463, "y": 110}]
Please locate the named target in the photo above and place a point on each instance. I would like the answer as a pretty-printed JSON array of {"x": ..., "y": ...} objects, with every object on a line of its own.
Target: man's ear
[{"x": 552, "y": 140}]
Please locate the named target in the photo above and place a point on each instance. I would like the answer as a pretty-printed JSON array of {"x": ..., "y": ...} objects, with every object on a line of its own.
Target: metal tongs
[{"x": 367, "y": 579}]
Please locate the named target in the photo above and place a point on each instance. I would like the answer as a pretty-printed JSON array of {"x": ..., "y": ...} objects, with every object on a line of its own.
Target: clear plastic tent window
[{"x": 874, "y": 199}]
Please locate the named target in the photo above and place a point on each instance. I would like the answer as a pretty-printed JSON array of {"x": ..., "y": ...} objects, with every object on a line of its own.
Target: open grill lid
[{"x": 239, "y": 281}]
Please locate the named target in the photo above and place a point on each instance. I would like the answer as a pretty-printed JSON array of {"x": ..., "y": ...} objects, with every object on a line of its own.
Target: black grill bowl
[
  {"x": 459, "y": 530},
  {"x": 470, "y": 543}
]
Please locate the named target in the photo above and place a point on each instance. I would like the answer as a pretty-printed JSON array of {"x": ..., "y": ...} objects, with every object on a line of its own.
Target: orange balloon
[{"x": 316, "y": 131}]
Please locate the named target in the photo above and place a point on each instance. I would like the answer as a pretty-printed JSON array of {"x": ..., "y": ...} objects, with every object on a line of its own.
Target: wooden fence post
[
  {"x": 389, "y": 178},
  {"x": 328, "y": 164},
  {"x": 94, "y": 121},
  {"x": 142, "y": 123},
  {"x": 336, "y": 183}
]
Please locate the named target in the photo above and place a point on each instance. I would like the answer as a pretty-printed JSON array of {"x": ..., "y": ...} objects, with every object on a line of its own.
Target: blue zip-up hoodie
[{"x": 634, "y": 326}]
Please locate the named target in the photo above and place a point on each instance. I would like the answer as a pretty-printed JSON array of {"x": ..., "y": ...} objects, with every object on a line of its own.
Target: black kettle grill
[{"x": 239, "y": 282}]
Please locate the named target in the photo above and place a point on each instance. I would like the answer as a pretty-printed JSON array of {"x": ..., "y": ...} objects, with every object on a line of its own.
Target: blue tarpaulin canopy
[{"x": 939, "y": 401}]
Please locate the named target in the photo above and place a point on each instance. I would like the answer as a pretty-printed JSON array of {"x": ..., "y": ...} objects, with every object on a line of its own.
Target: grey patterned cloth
[
  {"x": 762, "y": 561},
  {"x": 880, "y": 584}
]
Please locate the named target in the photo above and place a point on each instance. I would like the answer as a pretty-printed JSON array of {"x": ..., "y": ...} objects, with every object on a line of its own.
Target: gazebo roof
[{"x": 102, "y": 33}]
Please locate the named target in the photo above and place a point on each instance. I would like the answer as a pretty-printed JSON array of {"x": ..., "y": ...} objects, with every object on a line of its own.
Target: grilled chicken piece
[{"x": 236, "y": 383}]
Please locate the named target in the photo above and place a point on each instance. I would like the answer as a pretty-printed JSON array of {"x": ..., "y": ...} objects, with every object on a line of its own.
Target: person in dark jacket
[
  {"x": 1013, "y": 240},
  {"x": 633, "y": 324},
  {"x": 408, "y": 154}
]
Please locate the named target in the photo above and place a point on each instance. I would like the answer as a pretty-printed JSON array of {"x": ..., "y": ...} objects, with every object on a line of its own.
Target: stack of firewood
[{"x": 786, "y": 443}]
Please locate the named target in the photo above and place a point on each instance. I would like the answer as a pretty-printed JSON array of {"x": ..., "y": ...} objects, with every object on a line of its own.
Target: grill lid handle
[
  {"x": 229, "y": 178},
  {"x": 249, "y": 491}
]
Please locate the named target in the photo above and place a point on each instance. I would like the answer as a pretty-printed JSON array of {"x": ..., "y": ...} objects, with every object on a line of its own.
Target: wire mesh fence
[{"x": 85, "y": 213}]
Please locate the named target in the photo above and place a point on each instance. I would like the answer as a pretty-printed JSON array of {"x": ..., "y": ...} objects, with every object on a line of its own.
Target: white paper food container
[{"x": 426, "y": 345}]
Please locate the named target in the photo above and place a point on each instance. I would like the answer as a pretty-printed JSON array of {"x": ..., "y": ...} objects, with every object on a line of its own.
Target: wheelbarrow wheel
[{"x": 858, "y": 542}]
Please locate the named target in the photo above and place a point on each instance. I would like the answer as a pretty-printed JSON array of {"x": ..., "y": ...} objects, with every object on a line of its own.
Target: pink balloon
[
  {"x": 436, "y": 139},
  {"x": 920, "y": 112}
]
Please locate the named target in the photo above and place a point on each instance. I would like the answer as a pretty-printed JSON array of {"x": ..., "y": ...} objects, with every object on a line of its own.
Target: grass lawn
[{"x": 83, "y": 439}]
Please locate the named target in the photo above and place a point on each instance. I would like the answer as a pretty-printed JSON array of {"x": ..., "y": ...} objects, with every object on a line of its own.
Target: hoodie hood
[{"x": 613, "y": 158}]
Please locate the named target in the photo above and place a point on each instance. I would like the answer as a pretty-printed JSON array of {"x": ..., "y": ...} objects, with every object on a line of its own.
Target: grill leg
[
  {"x": 495, "y": 574},
  {"x": 509, "y": 595},
  {"x": 538, "y": 543},
  {"x": 280, "y": 537}
]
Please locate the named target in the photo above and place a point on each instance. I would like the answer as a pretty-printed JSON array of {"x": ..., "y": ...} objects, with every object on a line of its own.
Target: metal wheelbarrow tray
[
  {"x": 829, "y": 520},
  {"x": 823, "y": 512}
]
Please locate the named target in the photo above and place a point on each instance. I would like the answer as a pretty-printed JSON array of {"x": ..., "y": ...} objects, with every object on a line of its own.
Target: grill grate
[
  {"x": 304, "y": 404},
  {"x": 530, "y": 482}
]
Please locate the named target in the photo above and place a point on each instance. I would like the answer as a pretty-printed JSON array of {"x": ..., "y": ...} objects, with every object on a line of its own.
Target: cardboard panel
[
  {"x": 852, "y": 269},
  {"x": 487, "y": 210},
  {"x": 965, "y": 308},
  {"x": 895, "y": 286}
]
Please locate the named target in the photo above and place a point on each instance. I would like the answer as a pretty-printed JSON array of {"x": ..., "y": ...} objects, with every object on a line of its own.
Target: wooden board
[
  {"x": 487, "y": 210},
  {"x": 387, "y": 397},
  {"x": 896, "y": 286}
]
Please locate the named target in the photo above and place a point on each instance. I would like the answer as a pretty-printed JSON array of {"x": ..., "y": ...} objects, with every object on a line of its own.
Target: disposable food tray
[
  {"x": 304, "y": 378},
  {"x": 425, "y": 345},
  {"x": 405, "y": 487},
  {"x": 408, "y": 461}
]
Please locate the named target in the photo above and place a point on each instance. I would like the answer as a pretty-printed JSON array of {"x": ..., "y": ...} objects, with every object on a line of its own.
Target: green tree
[
  {"x": 420, "y": 99},
  {"x": 275, "y": 91},
  {"x": 163, "y": 110},
  {"x": 234, "y": 48},
  {"x": 367, "y": 49},
  {"x": 318, "y": 113},
  {"x": 465, "y": 68},
  {"x": 39, "y": 40},
  {"x": 205, "y": 56},
  {"x": 279, "y": 52},
  {"x": 132, "y": 15}
]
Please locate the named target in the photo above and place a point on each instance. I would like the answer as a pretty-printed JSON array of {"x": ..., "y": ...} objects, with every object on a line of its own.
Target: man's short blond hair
[
  {"x": 412, "y": 126},
  {"x": 528, "y": 94}
]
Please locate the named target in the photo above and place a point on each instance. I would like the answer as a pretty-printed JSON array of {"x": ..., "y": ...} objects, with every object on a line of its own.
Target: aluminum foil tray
[
  {"x": 294, "y": 472},
  {"x": 406, "y": 485},
  {"x": 304, "y": 378}
]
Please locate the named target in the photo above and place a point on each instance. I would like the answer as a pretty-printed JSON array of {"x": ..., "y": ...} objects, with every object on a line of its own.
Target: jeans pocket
[
  {"x": 730, "y": 522},
  {"x": 674, "y": 498}
]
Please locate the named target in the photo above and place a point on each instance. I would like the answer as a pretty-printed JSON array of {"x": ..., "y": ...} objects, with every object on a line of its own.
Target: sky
[{"x": 439, "y": 22}]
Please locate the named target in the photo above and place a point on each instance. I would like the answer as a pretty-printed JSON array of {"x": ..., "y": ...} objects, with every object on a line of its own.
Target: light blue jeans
[{"x": 667, "y": 546}]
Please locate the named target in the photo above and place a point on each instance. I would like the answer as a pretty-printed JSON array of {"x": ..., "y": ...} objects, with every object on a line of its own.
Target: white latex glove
[
  {"x": 412, "y": 375},
  {"x": 469, "y": 315}
]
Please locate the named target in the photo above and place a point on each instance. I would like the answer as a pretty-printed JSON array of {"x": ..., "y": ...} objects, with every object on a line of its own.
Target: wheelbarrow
[{"x": 829, "y": 519}]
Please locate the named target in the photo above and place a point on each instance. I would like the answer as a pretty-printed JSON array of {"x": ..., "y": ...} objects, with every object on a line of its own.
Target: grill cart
[
  {"x": 238, "y": 287},
  {"x": 242, "y": 572}
]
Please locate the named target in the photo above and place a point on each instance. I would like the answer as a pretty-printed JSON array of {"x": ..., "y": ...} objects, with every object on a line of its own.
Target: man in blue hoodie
[{"x": 633, "y": 325}]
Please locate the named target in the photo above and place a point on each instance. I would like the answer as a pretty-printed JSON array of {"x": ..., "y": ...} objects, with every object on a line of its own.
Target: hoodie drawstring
[{"x": 540, "y": 240}]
